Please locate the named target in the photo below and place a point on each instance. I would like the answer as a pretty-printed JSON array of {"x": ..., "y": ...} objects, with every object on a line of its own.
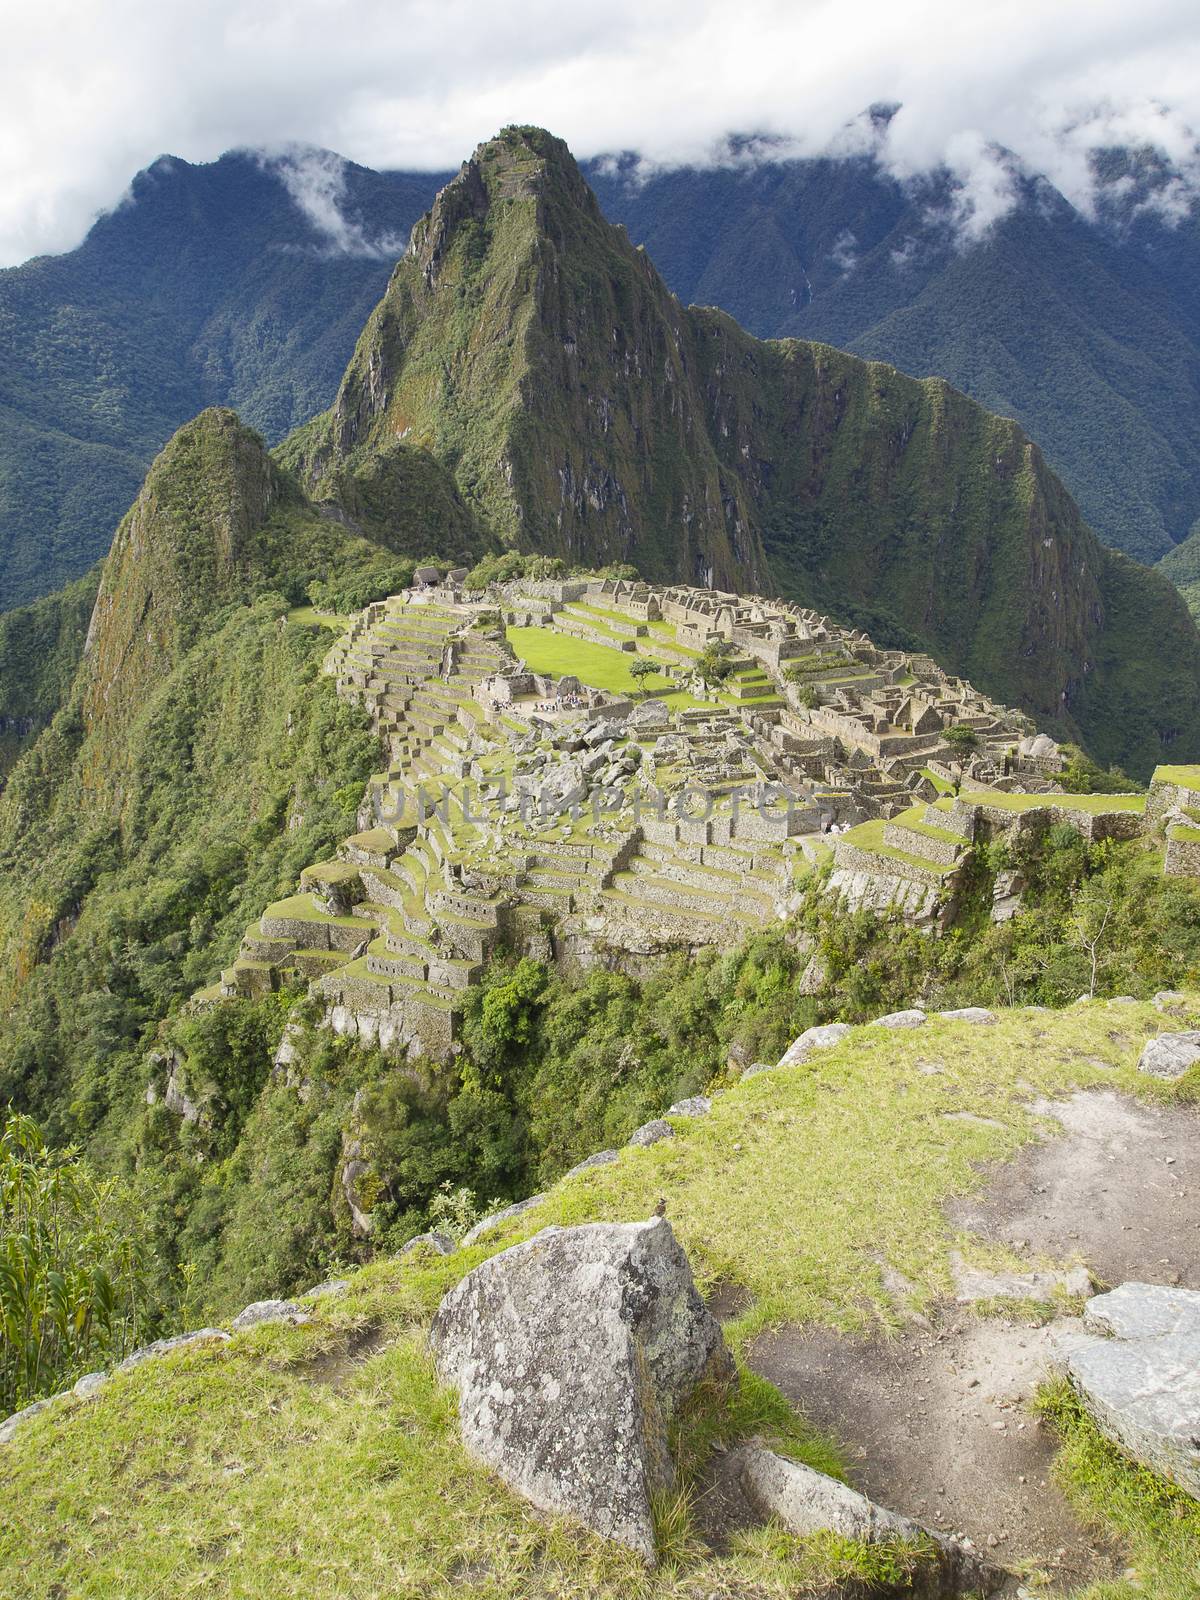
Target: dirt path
[
  {"x": 934, "y": 1425},
  {"x": 935, "y": 1419},
  {"x": 1121, "y": 1190}
]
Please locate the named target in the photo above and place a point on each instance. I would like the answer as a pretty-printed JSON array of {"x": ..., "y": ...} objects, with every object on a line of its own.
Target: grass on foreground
[
  {"x": 1159, "y": 1523},
  {"x": 279, "y": 1465}
]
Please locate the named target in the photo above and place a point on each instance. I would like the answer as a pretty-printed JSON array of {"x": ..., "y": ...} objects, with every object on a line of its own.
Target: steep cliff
[{"x": 528, "y": 352}]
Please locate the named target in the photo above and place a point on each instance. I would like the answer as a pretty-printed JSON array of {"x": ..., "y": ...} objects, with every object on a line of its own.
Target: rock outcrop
[
  {"x": 1170, "y": 1055},
  {"x": 807, "y": 1502},
  {"x": 270, "y": 1311},
  {"x": 1136, "y": 1368},
  {"x": 822, "y": 1037},
  {"x": 571, "y": 1352}
]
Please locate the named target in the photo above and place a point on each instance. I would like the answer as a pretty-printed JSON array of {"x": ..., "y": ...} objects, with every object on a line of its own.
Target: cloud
[
  {"x": 844, "y": 254},
  {"x": 316, "y": 181},
  {"x": 989, "y": 92}
]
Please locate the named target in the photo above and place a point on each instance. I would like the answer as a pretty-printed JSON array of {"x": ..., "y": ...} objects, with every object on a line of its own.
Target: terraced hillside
[
  {"x": 540, "y": 797},
  {"x": 487, "y": 826}
]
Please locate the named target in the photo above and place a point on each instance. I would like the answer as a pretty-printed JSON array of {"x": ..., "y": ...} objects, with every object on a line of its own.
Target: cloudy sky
[{"x": 89, "y": 93}]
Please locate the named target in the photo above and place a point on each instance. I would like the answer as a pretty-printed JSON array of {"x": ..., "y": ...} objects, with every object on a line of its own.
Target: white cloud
[
  {"x": 89, "y": 94},
  {"x": 316, "y": 181},
  {"x": 844, "y": 254}
]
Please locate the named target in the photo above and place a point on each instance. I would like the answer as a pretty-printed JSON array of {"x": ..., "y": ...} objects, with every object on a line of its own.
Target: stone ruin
[{"x": 589, "y": 827}]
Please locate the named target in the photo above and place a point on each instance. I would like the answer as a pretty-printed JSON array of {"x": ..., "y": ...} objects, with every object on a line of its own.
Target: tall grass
[{"x": 71, "y": 1269}]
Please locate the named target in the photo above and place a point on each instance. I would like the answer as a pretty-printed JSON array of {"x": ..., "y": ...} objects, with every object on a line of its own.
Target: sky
[{"x": 91, "y": 93}]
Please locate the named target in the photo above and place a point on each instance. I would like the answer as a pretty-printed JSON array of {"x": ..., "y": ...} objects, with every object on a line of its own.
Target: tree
[
  {"x": 961, "y": 739},
  {"x": 1092, "y": 919},
  {"x": 641, "y": 668},
  {"x": 714, "y": 665},
  {"x": 1083, "y": 776}
]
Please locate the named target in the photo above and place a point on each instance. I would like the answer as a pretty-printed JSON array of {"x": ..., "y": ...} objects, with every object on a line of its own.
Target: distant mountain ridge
[
  {"x": 209, "y": 285},
  {"x": 1086, "y": 332}
]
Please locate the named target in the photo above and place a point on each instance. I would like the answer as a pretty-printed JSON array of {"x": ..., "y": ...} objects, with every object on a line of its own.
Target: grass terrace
[
  {"x": 914, "y": 819},
  {"x": 310, "y": 617},
  {"x": 1089, "y": 804},
  {"x": 558, "y": 655},
  {"x": 303, "y": 908},
  {"x": 869, "y": 836},
  {"x": 942, "y": 785},
  {"x": 1182, "y": 777}
]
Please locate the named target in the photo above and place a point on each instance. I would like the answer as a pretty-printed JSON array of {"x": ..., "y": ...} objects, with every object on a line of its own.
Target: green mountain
[
  {"x": 196, "y": 758},
  {"x": 208, "y": 285},
  {"x": 1084, "y": 330},
  {"x": 529, "y": 354},
  {"x": 212, "y": 285},
  {"x": 1182, "y": 566},
  {"x": 201, "y": 761}
]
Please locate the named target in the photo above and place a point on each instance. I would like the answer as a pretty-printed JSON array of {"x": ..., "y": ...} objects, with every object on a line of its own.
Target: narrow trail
[{"x": 935, "y": 1419}]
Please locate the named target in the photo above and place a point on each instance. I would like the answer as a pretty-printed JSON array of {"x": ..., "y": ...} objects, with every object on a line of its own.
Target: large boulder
[
  {"x": 823, "y": 1037},
  {"x": 1137, "y": 1370},
  {"x": 571, "y": 1352},
  {"x": 270, "y": 1311},
  {"x": 651, "y": 1133},
  {"x": 913, "y": 1018}
]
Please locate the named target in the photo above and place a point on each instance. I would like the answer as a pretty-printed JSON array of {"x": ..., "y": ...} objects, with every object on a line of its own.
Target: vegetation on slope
[
  {"x": 1182, "y": 566},
  {"x": 531, "y": 361},
  {"x": 208, "y": 286},
  {"x": 40, "y": 647},
  {"x": 326, "y": 1454}
]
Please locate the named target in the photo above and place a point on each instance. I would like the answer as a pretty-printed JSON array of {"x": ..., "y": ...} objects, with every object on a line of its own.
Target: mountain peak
[
  {"x": 183, "y": 550},
  {"x": 529, "y": 365},
  {"x": 518, "y": 164}
]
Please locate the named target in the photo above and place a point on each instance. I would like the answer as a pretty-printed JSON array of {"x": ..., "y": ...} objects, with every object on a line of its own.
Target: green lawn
[
  {"x": 310, "y": 617},
  {"x": 1182, "y": 777},
  {"x": 557, "y": 654}
]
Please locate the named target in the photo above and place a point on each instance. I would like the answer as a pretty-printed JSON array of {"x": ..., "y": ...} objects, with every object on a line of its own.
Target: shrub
[{"x": 71, "y": 1270}]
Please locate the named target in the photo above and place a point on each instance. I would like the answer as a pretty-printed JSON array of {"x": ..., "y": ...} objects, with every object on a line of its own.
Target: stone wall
[
  {"x": 1165, "y": 797},
  {"x": 1183, "y": 858},
  {"x": 310, "y": 934},
  {"x": 849, "y": 858},
  {"x": 941, "y": 851},
  {"x": 409, "y": 1026}
]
